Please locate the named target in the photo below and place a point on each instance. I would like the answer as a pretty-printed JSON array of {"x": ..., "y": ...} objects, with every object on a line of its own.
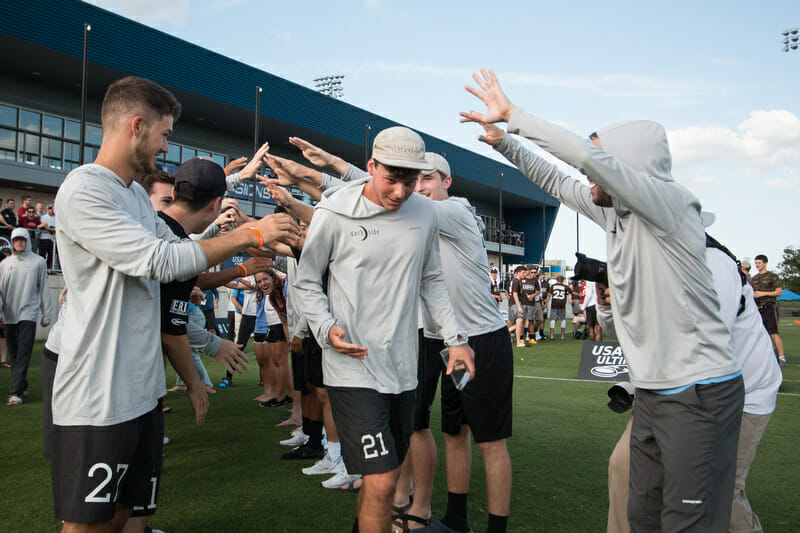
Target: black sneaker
[
  {"x": 272, "y": 402},
  {"x": 305, "y": 452},
  {"x": 281, "y": 403}
]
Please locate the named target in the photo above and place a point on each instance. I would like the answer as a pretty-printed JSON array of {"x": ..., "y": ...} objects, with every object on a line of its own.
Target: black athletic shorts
[
  {"x": 591, "y": 316},
  {"x": 96, "y": 467},
  {"x": 769, "y": 316},
  {"x": 211, "y": 319},
  {"x": 485, "y": 403},
  {"x": 49, "y": 361},
  {"x": 274, "y": 334},
  {"x": 374, "y": 428},
  {"x": 429, "y": 369},
  {"x": 307, "y": 366}
]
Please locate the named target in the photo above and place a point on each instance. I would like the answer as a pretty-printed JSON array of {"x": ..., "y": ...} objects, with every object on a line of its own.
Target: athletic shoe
[
  {"x": 14, "y": 400},
  {"x": 532, "y": 342},
  {"x": 166, "y": 441},
  {"x": 281, "y": 403},
  {"x": 297, "y": 440},
  {"x": 342, "y": 478},
  {"x": 305, "y": 451},
  {"x": 272, "y": 402},
  {"x": 225, "y": 383},
  {"x": 325, "y": 466}
]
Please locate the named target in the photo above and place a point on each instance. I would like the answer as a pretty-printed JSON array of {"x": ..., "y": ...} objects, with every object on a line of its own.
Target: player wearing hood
[
  {"x": 24, "y": 292},
  {"x": 689, "y": 387}
]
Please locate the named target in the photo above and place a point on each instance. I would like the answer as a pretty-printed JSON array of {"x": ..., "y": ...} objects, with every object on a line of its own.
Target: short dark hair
[
  {"x": 400, "y": 173},
  {"x": 134, "y": 95},
  {"x": 761, "y": 257},
  {"x": 147, "y": 180},
  {"x": 188, "y": 195},
  {"x": 520, "y": 268}
]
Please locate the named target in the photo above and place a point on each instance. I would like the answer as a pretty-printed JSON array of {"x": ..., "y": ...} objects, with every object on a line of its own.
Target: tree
[{"x": 790, "y": 269}]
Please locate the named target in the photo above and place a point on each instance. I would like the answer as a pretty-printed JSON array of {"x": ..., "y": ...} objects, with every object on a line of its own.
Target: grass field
[{"x": 227, "y": 475}]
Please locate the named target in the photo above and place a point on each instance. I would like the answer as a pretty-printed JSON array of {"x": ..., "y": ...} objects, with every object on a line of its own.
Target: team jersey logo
[
  {"x": 179, "y": 307},
  {"x": 361, "y": 233}
]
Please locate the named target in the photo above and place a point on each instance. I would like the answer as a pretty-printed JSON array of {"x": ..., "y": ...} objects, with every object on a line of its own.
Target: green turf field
[{"x": 227, "y": 475}]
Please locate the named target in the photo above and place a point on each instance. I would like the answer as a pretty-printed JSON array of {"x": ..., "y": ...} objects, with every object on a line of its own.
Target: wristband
[
  {"x": 244, "y": 268},
  {"x": 260, "y": 238}
]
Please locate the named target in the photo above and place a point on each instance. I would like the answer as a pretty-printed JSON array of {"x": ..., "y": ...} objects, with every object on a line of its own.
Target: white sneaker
[
  {"x": 166, "y": 441},
  {"x": 297, "y": 440},
  {"x": 325, "y": 466},
  {"x": 342, "y": 478}
]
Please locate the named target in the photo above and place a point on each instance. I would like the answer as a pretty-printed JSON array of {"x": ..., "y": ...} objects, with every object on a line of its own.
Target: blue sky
[{"x": 712, "y": 73}]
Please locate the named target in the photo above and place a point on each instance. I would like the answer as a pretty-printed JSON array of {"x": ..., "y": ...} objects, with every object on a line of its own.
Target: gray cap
[
  {"x": 400, "y": 147},
  {"x": 438, "y": 163}
]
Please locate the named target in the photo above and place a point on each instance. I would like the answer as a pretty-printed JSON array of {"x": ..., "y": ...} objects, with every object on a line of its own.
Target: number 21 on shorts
[{"x": 373, "y": 446}]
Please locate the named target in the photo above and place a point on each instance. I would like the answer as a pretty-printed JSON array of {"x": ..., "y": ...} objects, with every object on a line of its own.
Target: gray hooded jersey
[
  {"x": 666, "y": 310},
  {"x": 380, "y": 264},
  {"x": 24, "y": 291}
]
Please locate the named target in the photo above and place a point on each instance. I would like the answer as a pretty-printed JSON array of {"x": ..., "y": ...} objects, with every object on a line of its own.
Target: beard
[{"x": 143, "y": 159}]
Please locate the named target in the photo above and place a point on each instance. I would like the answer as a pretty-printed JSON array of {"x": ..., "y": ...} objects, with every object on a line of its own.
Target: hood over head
[
  {"x": 21, "y": 233},
  {"x": 640, "y": 144}
]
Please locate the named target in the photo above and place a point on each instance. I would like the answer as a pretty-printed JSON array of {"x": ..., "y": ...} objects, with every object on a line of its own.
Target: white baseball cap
[
  {"x": 438, "y": 162},
  {"x": 400, "y": 147}
]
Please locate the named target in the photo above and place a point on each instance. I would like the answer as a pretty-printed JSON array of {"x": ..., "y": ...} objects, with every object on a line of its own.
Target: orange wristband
[
  {"x": 260, "y": 238},
  {"x": 244, "y": 269}
]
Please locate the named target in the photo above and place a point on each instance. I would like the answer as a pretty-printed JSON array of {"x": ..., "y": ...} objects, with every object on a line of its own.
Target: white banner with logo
[{"x": 603, "y": 361}]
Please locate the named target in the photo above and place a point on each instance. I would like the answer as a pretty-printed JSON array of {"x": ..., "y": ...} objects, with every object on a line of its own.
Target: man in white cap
[
  {"x": 369, "y": 234},
  {"x": 23, "y": 294}
]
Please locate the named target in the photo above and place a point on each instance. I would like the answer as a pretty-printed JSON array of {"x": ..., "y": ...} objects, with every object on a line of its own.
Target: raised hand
[
  {"x": 499, "y": 107},
  {"x": 336, "y": 335},
  {"x": 287, "y": 172},
  {"x": 280, "y": 227},
  {"x": 250, "y": 169},
  {"x": 258, "y": 264},
  {"x": 314, "y": 154},
  {"x": 235, "y": 165},
  {"x": 278, "y": 193}
]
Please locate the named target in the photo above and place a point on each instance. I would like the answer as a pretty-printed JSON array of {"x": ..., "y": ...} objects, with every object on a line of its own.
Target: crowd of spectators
[{"x": 39, "y": 222}]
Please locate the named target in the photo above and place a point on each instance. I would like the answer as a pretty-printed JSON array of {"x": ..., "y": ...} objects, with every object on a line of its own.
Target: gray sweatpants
[{"x": 683, "y": 458}]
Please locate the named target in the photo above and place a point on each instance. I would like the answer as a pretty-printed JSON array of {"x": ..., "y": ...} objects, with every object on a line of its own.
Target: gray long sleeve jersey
[
  {"x": 24, "y": 290},
  {"x": 379, "y": 263},
  {"x": 666, "y": 311},
  {"x": 464, "y": 264},
  {"x": 115, "y": 251}
]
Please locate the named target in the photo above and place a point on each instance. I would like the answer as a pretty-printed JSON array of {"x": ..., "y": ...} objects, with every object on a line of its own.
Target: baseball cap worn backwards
[
  {"x": 438, "y": 163},
  {"x": 205, "y": 175},
  {"x": 400, "y": 147}
]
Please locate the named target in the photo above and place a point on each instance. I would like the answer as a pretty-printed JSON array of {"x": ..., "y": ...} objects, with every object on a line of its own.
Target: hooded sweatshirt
[
  {"x": 464, "y": 263},
  {"x": 379, "y": 263},
  {"x": 666, "y": 311},
  {"x": 23, "y": 285}
]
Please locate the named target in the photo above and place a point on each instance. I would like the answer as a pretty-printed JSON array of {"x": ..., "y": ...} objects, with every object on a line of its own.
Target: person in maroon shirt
[{"x": 30, "y": 221}]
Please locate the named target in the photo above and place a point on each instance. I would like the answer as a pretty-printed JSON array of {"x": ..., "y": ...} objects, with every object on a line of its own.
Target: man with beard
[
  {"x": 114, "y": 253},
  {"x": 689, "y": 388}
]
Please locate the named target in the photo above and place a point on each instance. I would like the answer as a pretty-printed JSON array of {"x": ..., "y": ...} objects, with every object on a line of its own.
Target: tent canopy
[{"x": 789, "y": 295}]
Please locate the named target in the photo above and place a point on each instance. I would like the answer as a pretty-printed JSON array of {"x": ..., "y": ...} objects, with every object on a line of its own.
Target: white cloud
[
  {"x": 148, "y": 11},
  {"x": 765, "y": 141}
]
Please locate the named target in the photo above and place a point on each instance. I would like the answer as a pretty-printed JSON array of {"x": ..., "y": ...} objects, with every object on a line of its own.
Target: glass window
[
  {"x": 94, "y": 135},
  {"x": 8, "y": 116},
  {"x": 30, "y": 121},
  {"x": 219, "y": 159},
  {"x": 29, "y": 148},
  {"x": 169, "y": 168},
  {"x": 72, "y": 152},
  {"x": 188, "y": 153},
  {"x": 90, "y": 153},
  {"x": 8, "y": 144},
  {"x": 72, "y": 130},
  {"x": 201, "y": 153},
  {"x": 173, "y": 153},
  {"x": 52, "y": 125},
  {"x": 51, "y": 148}
]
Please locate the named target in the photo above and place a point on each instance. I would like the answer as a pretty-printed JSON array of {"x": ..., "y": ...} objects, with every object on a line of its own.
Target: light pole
[
  {"x": 330, "y": 85},
  {"x": 790, "y": 39},
  {"x": 84, "y": 87}
]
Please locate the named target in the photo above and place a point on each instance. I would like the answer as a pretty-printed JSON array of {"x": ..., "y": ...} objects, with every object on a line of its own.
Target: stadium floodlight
[
  {"x": 790, "y": 39},
  {"x": 330, "y": 85}
]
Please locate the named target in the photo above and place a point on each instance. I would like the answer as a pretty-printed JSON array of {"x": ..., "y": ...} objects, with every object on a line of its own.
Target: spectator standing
[
  {"x": 26, "y": 203},
  {"x": 9, "y": 220},
  {"x": 30, "y": 221},
  {"x": 24, "y": 293},
  {"x": 559, "y": 293},
  {"x": 746, "y": 271},
  {"x": 766, "y": 289},
  {"x": 47, "y": 230}
]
